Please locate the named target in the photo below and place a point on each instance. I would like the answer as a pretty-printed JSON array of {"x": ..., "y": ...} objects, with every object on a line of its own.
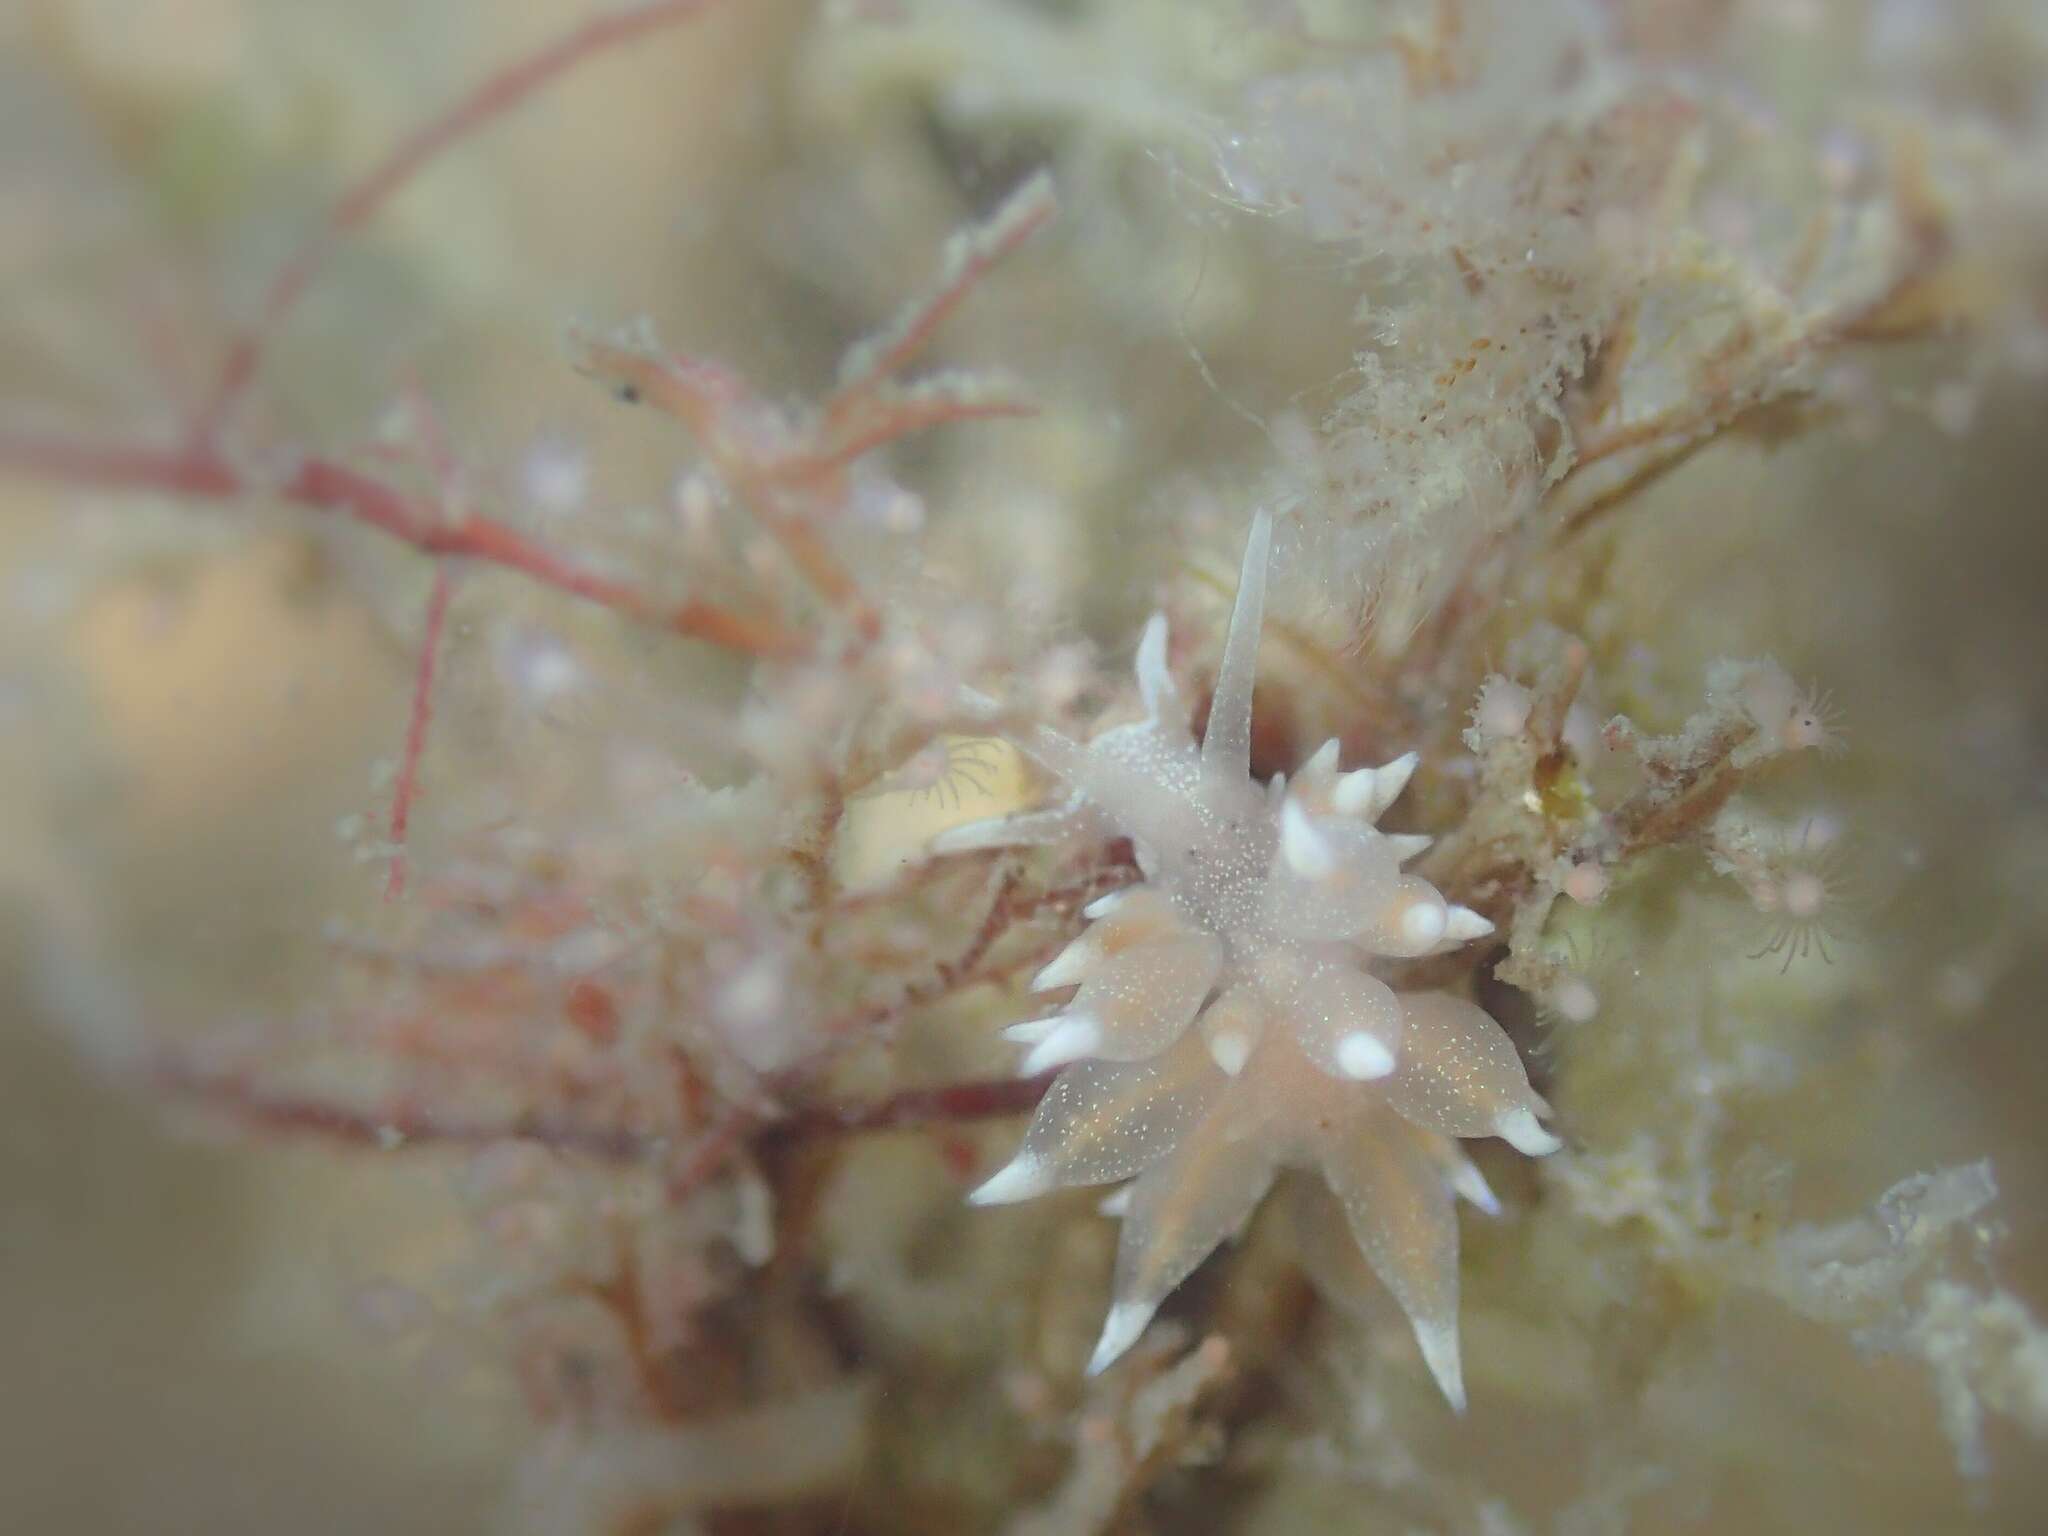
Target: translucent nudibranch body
[{"x": 1226, "y": 1023}]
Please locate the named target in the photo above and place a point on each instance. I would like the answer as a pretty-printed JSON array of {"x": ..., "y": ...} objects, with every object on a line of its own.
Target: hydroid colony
[{"x": 696, "y": 957}]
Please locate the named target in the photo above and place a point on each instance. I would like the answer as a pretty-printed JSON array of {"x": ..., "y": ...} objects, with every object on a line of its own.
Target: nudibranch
[{"x": 1227, "y": 1023}]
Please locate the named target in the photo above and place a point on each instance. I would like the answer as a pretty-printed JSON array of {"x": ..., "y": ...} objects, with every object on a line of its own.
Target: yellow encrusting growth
[{"x": 950, "y": 781}]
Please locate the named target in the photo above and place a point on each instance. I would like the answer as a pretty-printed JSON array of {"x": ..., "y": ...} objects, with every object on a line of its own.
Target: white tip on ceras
[
  {"x": 1367, "y": 792},
  {"x": 1067, "y": 967},
  {"x": 1408, "y": 845},
  {"x": 1117, "y": 1203},
  {"x": 1462, "y": 925},
  {"x": 1520, "y": 1130},
  {"x": 1307, "y": 851},
  {"x": 1321, "y": 764},
  {"x": 1120, "y": 1330},
  {"x": 1364, "y": 1057},
  {"x": 1424, "y": 923},
  {"x": 1352, "y": 793},
  {"x": 1230, "y": 1051},
  {"x": 1073, "y": 1037},
  {"x": 1031, "y": 1031},
  {"x": 1102, "y": 906},
  {"x": 1155, "y": 682},
  {"x": 1232, "y": 1032},
  {"x": 1389, "y": 779},
  {"x": 1439, "y": 1343},
  {"x": 1024, "y": 1177},
  {"x": 1470, "y": 1185}
]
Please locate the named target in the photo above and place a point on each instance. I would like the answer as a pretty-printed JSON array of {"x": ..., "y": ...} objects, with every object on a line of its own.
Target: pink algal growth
[{"x": 1261, "y": 913}]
